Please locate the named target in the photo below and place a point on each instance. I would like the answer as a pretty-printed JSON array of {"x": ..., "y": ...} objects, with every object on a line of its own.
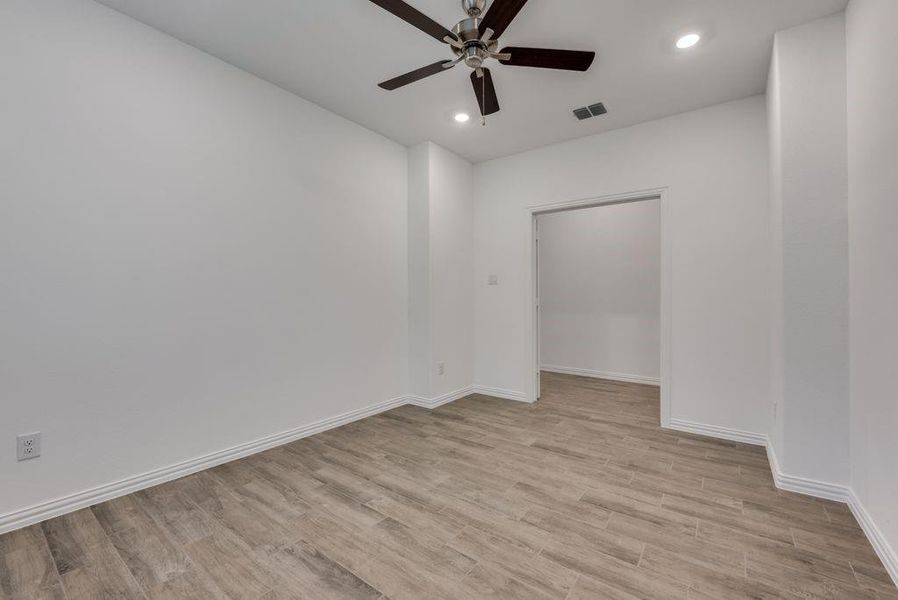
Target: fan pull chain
[{"x": 483, "y": 95}]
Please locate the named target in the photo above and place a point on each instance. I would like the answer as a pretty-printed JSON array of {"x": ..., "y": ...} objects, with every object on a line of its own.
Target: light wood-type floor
[{"x": 579, "y": 496}]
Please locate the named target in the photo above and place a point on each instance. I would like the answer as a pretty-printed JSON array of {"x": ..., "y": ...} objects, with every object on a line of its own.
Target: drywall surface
[
  {"x": 452, "y": 266},
  {"x": 420, "y": 344},
  {"x": 810, "y": 216},
  {"x": 191, "y": 258},
  {"x": 872, "y": 34},
  {"x": 441, "y": 263},
  {"x": 600, "y": 290},
  {"x": 714, "y": 164}
]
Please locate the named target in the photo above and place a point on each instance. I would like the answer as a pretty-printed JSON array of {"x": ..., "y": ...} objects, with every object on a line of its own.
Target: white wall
[
  {"x": 810, "y": 238},
  {"x": 600, "y": 291},
  {"x": 191, "y": 258},
  {"x": 715, "y": 164},
  {"x": 420, "y": 344},
  {"x": 441, "y": 220},
  {"x": 452, "y": 265},
  {"x": 872, "y": 32}
]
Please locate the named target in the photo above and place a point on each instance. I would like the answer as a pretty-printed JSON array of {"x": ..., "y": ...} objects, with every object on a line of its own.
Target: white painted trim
[
  {"x": 502, "y": 393},
  {"x": 667, "y": 386},
  {"x": 591, "y": 201},
  {"x": 441, "y": 400},
  {"x": 804, "y": 485},
  {"x": 880, "y": 544},
  {"x": 53, "y": 508},
  {"x": 625, "y": 377},
  {"x": 716, "y": 431},
  {"x": 783, "y": 481},
  {"x": 663, "y": 195},
  {"x": 467, "y": 391},
  {"x": 47, "y": 510}
]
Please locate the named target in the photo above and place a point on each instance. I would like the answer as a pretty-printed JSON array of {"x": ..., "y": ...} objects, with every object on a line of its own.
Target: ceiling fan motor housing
[
  {"x": 467, "y": 30},
  {"x": 473, "y": 7},
  {"x": 475, "y": 51}
]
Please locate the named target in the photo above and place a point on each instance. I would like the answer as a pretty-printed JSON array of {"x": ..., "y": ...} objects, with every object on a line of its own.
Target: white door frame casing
[{"x": 663, "y": 197}]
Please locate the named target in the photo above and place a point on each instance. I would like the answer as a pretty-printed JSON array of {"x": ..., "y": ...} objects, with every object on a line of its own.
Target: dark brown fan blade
[
  {"x": 485, "y": 92},
  {"x": 570, "y": 60},
  {"x": 398, "y": 82},
  {"x": 414, "y": 17},
  {"x": 500, "y": 15}
]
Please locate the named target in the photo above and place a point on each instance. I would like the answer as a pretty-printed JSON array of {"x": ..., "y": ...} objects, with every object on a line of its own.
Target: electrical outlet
[
  {"x": 441, "y": 368},
  {"x": 28, "y": 445}
]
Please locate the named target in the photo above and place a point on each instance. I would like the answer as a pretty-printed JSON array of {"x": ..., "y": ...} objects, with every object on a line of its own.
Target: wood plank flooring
[{"x": 579, "y": 496}]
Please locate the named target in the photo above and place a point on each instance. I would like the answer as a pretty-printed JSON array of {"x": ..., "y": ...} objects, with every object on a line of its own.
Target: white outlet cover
[{"x": 28, "y": 445}]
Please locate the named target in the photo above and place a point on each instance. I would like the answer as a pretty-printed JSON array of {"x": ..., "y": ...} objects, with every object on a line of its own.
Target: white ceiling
[{"x": 334, "y": 53}]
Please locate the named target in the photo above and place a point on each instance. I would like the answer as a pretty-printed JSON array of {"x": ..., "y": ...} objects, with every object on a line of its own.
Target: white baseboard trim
[
  {"x": 625, "y": 377},
  {"x": 883, "y": 549},
  {"x": 467, "y": 391},
  {"x": 501, "y": 393},
  {"x": 440, "y": 400},
  {"x": 47, "y": 510},
  {"x": 54, "y": 508},
  {"x": 783, "y": 481},
  {"x": 804, "y": 485},
  {"x": 716, "y": 431}
]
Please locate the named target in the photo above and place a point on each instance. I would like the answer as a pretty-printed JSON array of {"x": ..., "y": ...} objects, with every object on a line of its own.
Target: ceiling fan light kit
[{"x": 475, "y": 40}]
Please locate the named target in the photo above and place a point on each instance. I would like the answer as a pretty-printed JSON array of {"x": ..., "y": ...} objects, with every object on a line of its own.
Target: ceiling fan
[{"x": 474, "y": 40}]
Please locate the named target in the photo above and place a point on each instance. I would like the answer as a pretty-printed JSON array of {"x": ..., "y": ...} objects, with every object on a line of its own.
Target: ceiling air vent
[
  {"x": 593, "y": 110},
  {"x": 597, "y": 109}
]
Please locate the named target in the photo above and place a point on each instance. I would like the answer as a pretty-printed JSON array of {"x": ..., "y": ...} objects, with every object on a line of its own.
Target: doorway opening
[{"x": 600, "y": 291}]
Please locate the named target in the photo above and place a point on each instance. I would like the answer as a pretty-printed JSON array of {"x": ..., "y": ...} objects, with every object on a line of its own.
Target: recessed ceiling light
[
  {"x": 688, "y": 41},
  {"x": 462, "y": 117}
]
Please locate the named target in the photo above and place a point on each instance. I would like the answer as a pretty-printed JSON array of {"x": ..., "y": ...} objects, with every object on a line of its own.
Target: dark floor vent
[{"x": 593, "y": 110}]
